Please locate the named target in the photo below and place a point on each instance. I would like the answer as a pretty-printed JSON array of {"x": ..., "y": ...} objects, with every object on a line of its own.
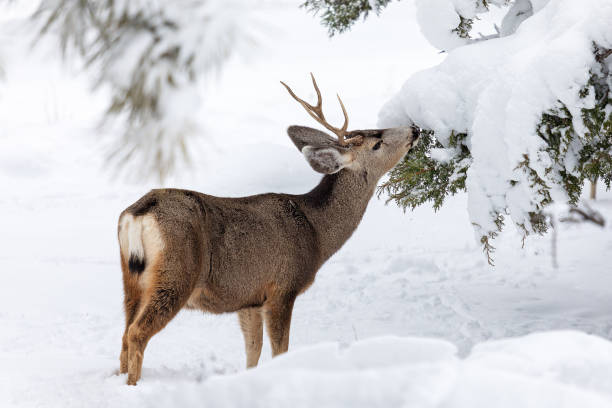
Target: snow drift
[{"x": 552, "y": 369}]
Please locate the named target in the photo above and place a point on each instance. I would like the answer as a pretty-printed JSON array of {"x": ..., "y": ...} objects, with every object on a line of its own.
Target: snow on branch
[
  {"x": 534, "y": 105},
  {"x": 447, "y": 24}
]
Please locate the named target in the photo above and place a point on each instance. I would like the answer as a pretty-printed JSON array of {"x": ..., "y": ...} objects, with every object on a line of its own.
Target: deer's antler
[{"x": 317, "y": 114}]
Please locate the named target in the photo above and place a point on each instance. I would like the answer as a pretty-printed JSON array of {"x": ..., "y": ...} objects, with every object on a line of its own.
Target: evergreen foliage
[
  {"x": 592, "y": 144},
  {"x": 340, "y": 15},
  {"x": 419, "y": 178},
  {"x": 464, "y": 27}
]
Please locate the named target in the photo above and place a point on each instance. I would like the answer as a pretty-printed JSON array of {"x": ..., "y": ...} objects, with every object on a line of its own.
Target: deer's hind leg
[
  {"x": 131, "y": 301},
  {"x": 167, "y": 294},
  {"x": 251, "y": 324}
]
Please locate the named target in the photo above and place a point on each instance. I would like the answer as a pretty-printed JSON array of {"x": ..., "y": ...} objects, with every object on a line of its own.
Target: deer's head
[{"x": 373, "y": 150}]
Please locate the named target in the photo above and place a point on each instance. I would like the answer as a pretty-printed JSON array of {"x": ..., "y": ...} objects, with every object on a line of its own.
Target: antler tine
[
  {"x": 308, "y": 107},
  {"x": 316, "y": 112},
  {"x": 319, "y": 99},
  {"x": 355, "y": 140},
  {"x": 345, "y": 126}
]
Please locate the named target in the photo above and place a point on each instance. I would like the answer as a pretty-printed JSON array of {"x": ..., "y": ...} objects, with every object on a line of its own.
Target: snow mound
[
  {"x": 551, "y": 369},
  {"x": 496, "y": 90}
]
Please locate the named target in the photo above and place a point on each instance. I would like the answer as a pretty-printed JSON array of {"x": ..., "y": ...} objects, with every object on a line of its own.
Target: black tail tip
[{"x": 136, "y": 264}]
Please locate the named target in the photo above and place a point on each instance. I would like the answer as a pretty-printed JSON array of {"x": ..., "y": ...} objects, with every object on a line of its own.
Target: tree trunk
[{"x": 593, "y": 195}]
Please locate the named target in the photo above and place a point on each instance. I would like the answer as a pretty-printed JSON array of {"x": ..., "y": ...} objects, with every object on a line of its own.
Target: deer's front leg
[
  {"x": 277, "y": 313},
  {"x": 252, "y": 328}
]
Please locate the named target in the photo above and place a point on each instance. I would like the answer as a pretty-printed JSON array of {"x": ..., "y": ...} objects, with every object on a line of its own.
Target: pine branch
[{"x": 340, "y": 15}]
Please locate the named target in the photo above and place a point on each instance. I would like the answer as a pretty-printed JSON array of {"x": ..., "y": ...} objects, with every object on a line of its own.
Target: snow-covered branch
[
  {"x": 518, "y": 12},
  {"x": 535, "y": 107},
  {"x": 447, "y": 24}
]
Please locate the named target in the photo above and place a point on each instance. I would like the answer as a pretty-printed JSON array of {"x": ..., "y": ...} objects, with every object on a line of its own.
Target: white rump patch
[{"x": 130, "y": 237}]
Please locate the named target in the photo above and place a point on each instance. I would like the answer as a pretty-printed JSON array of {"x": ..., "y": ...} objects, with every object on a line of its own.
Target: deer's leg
[
  {"x": 252, "y": 328},
  {"x": 164, "y": 301},
  {"x": 277, "y": 313},
  {"x": 131, "y": 301},
  {"x": 131, "y": 308}
]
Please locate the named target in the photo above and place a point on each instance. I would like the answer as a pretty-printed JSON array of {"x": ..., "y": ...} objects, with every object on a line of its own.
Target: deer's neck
[{"x": 335, "y": 208}]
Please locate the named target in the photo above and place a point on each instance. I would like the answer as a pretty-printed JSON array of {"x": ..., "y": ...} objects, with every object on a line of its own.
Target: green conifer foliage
[
  {"x": 419, "y": 178},
  {"x": 340, "y": 15},
  {"x": 592, "y": 145}
]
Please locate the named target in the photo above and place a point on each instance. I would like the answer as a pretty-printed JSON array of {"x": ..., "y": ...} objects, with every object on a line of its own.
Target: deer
[{"x": 250, "y": 255}]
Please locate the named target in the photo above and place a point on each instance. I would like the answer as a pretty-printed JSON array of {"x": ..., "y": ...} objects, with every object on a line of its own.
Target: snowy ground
[{"x": 405, "y": 314}]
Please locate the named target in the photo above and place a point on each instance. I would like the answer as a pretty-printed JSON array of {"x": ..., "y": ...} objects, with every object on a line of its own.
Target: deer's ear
[
  {"x": 303, "y": 136},
  {"x": 327, "y": 160}
]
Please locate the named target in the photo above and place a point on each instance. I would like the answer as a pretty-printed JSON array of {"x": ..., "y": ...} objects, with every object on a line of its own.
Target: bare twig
[
  {"x": 592, "y": 216},
  {"x": 603, "y": 55},
  {"x": 586, "y": 214}
]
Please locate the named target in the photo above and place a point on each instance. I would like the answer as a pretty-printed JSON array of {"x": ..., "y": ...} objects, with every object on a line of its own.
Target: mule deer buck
[{"x": 252, "y": 255}]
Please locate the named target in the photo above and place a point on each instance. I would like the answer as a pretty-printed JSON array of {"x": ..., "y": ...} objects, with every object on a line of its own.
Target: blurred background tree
[{"x": 152, "y": 55}]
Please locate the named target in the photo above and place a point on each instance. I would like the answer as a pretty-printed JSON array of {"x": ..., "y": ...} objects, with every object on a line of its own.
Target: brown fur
[{"x": 251, "y": 255}]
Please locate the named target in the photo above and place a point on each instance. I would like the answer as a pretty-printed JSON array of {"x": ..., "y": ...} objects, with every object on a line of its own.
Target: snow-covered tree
[
  {"x": 519, "y": 118},
  {"x": 151, "y": 54}
]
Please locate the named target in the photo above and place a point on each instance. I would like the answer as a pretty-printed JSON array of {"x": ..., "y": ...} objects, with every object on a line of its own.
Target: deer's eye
[{"x": 377, "y": 145}]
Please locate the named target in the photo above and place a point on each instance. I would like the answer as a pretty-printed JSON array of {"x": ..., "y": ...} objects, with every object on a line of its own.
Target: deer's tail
[{"x": 131, "y": 242}]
